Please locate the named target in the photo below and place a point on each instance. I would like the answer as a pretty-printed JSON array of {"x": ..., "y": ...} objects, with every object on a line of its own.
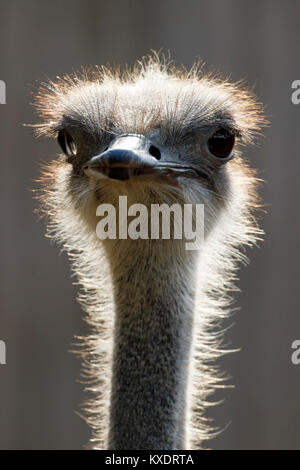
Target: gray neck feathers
[{"x": 154, "y": 302}]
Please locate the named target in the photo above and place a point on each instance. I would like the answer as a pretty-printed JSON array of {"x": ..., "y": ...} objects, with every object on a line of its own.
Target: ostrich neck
[{"x": 154, "y": 299}]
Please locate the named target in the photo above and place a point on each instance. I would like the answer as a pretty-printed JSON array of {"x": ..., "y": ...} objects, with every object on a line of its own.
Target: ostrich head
[{"x": 157, "y": 135}]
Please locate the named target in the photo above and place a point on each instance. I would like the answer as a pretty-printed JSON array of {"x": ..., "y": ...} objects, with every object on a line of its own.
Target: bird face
[
  {"x": 140, "y": 157},
  {"x": 141, "y": 138},
  {"x": 154, "y": 135}
]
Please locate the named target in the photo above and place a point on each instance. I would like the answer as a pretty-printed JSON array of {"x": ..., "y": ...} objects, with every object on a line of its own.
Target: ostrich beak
[
  {"x": 133, "y": 156},
  {"x": 126, "y": 157}
]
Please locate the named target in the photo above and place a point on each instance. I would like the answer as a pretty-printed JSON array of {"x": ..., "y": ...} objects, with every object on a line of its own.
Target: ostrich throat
[{"x": 154, "y": 303}]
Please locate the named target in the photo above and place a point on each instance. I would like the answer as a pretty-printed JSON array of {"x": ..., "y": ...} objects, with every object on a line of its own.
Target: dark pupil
[{"x": 221, "y": 143}]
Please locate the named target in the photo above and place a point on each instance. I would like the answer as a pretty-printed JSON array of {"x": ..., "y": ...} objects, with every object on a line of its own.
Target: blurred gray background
[{"x": 258, "y": 41}]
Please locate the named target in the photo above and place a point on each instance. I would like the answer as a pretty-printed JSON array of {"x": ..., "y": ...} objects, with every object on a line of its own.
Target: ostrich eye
[
  {"x": 221, "y": 143},
  {"x": 67, "y": 143}
]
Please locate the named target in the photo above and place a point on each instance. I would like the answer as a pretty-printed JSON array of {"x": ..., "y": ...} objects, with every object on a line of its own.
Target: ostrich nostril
[{"x": 155, "y": 152}]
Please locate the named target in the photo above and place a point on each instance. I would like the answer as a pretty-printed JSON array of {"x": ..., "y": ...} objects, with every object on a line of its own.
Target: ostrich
[{"x": 157, "y": 134}]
